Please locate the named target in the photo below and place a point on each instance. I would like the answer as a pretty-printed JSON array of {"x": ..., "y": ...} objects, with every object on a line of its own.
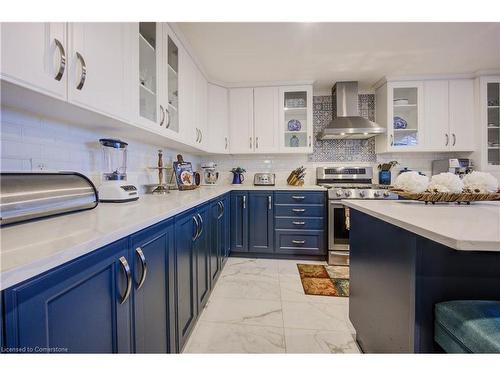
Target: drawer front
[
  {"x": 314, "y": 223},
  {"x": 300, "y": 197},
  {"x": 295, "y": 242},
  {"x": 299, "y": 210}
]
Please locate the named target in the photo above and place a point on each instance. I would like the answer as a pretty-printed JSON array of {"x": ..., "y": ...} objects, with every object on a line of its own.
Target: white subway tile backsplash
[{"x": 32, "y": 143}]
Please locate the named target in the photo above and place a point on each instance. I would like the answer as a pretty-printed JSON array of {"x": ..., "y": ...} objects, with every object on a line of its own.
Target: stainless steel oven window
[{"x": 338, "y": 234}]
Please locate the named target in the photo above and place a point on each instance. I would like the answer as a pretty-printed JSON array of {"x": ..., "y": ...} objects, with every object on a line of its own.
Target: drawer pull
[
  {"x": 298, "y": 197},
  {"x": 298, "y": 242},
  {"x": 299, "y": 222},
  {"x": 298, "y": 209}
]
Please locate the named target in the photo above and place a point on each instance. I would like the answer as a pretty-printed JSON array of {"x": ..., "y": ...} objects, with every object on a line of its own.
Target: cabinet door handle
[
  {"x": 221, "y": 210},
  {"x": 201, "y": 224},
  {"x": 298, "y": 197},
  {"x": 310, "y": 141},
  {"x": 162, "y": 115},
  {"x": 250, "y": 142},
  {"x": 298, "y": 242},
  {"x": 144, "y": 266},
  {"x": 126, "y": 269},
  {"x": 197, "y": 224},
  {"x": 454, "y": 139},
  {"x": 299, "y": 222},
  {"x": 244, "y": 201},
  {"x": 62, "y": 61},
  {"x": 269, "y": 202},
  {"x": 226, "y": 143},
  {"x": 167, "y": 114},
  {"x": 298, "y": 209},
  {"x": 201, "y": 136},
  {"x": 83, "y": 76},
  {"x": 392, "y": 140},
  {"x": 256, "y": 142},
  {"x": 447, "y": 139}
]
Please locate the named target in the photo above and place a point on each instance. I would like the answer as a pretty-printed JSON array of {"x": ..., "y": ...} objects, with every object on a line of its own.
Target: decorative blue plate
[
  {"x": 294, "y": 125},
  {"x": 400, "y": 123}
]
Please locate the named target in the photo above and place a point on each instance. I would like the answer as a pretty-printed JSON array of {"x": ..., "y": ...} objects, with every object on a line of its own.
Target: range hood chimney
[{"x": 347, "y": 123}]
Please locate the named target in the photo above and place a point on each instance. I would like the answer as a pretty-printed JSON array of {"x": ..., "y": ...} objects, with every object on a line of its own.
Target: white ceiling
[{"x": 329, "y": 52}]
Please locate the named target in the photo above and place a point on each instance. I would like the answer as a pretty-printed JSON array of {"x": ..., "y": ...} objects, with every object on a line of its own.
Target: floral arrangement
[
  {"x": 238, "y": 170},
  {"x": 446, "y": 183},
  {"x": 412, "y": 182},
  {"x": 480, "y": 182}
]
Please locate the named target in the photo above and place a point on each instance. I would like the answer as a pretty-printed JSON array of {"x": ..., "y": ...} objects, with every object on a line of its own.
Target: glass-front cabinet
[
  {"x": 493, "y": 122},
  {"x": 296, "y": 128},
  {"x": 149, "y": 57},
  {"x": 158, "y": 77},
  {"x": 172, "y": 81},
  {"x": 405, "y": 115}
]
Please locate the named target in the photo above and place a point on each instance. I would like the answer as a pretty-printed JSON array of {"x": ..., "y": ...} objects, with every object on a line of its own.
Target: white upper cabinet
[
  {"x": 35, "y": 55},
  {"x": 187, "y": 87},
  {"x": 271, "y": 120},
  {"x": 170, "y": 80},
  {"x": 488, "y": 117},
  {"x": 146, "y": 75},
  {"x": 201, "y": 101},
  {"x": 436, "y": 115},
  {"x": 100, "y": 67},
  {"x": 461, "y": 109},
  {"x": 402, "y": 113},
  {"x": 431, "y": 115},
  {"x": 266, "y": 119},
  {"x": 241, "y": 120},
  {"x": 295, "y": 128},
  {"x": 449, "y": 115},
  {"x": 218, "y": 119}
]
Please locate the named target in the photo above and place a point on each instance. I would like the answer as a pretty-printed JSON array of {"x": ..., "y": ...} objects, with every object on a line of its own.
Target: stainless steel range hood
[{"x": 347, "y": 123}]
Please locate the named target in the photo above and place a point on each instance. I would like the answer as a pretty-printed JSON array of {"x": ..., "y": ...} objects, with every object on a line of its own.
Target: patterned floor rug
[{"x": 324, "y": 280}]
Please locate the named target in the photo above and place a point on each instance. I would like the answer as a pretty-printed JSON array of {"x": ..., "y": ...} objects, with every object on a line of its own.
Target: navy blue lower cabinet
[
  {"x": 154, "y": 280},
  {"x": 203, "y": 253},
  {"x": 217, "y": 246},
  {"x": 226, "y": 228},
  {"x": 261, "y": 227},
  {"x": 239, "y": 221},
  {"x": 80, "y": 307},
  {"x": 310, "y": 242},
  {"x": 186, "y": 231}
]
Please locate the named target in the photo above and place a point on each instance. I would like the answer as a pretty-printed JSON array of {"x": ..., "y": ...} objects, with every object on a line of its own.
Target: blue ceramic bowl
[
  {"x": 400, "y": 123},
  {"x": 294, "y": 125}
]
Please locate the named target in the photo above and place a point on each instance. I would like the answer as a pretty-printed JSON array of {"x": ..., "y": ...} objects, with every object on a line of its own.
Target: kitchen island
[{"x": 406, "y": 257}]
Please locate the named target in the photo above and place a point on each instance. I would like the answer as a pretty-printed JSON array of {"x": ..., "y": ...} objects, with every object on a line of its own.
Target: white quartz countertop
[
  {"x": 28, "y": 249},
  {"x": 461, "y": 227}
]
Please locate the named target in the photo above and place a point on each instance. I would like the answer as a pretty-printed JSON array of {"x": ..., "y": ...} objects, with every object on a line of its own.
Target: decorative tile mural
[{"x": 341, "y": 150}]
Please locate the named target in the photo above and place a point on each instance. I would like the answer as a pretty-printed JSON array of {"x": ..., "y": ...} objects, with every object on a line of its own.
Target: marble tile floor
[{"x": 259, "y": 306}]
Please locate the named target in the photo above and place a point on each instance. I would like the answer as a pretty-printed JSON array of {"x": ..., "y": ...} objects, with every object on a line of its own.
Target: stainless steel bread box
[{"x": 25, "y": 196}]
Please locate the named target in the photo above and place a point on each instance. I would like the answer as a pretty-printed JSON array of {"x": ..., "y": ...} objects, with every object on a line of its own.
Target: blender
[{"x": 114, "y": 187}]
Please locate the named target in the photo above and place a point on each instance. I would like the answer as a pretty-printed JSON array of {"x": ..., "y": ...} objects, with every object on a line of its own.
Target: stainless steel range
[{"x": 346, "y": 183}]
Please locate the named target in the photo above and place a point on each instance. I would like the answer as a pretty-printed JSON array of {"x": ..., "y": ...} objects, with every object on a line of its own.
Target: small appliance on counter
[
  {"x": 264, "y": 179},
  {"x": 26, "y": 195},
  {"x": 459, "y": 167},
  {"x": 114, "y": 187},
  {"x": 209, "y": 174}
]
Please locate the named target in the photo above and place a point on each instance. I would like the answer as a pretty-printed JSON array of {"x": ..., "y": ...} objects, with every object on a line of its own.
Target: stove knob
[
  {"x": 386, "y": 194},
  {"x": 338, "y": 193},
  {"x": 347, "y": 193},
  {"x": 362, "y": 193},
  {"x": 376, "y": 194}
]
